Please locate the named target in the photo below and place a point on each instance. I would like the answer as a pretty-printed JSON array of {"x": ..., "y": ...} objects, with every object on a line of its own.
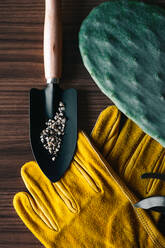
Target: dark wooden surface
[{"x": 21, "y": 68}]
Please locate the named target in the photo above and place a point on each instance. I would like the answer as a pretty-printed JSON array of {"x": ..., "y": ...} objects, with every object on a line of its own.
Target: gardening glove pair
[{"x": 91, "y": 205}]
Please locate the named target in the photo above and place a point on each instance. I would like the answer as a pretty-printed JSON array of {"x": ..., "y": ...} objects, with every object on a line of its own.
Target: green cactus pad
[{"x": 122, "y": 44}]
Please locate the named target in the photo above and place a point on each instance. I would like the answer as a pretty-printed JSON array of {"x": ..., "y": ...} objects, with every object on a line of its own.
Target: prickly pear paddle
[{"x": 122, "y": 44}]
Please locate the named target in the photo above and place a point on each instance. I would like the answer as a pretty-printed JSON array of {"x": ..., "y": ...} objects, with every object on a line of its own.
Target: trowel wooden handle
[{"x": 52, "y": 39}]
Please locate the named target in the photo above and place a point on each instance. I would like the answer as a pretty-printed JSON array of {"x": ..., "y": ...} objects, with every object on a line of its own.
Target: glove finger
[
  {"x": 155, "y": 181},
  {"x": 130, "y": 151},
  {"x": 117, "y": 145},
  {"x": 55, "y": 200},
  {"x": 82, "y": 179},
  {"x": 147, "y": 157},
  {"x": 125, "y": 146},
  {"x": 34, "y": 218},
  {"x": 106, "y": 129},
  {"x": 136, "y": 153}
]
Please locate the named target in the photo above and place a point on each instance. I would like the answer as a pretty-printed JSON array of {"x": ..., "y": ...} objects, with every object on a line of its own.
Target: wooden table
[{"x": 21, "y": 68}]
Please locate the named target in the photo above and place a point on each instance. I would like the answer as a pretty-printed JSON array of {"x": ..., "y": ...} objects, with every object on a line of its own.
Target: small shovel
[{"x": 44, "y": 103}]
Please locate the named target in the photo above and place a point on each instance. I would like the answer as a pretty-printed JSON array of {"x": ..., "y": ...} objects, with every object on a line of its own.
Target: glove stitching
[
  {"x": 125, "y": 166},
  {"x": 149, "y": 229},
  {"x": 113, "y": 175},
  {"x": 89, "y": 179},
  {"x": 66, "y": 197},
  {"x": 109, "y": 133},
  {"x": 35, "y": 196},
  {"x": 151, "y": 183},
  {"x": 131, "y": 198},
  {"x": 144, "y": 140},
  {"x": 44, "y": 218}
]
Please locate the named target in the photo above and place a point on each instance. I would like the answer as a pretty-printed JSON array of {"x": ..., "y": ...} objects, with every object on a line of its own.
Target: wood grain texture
[{"x": 21, "y": 68}]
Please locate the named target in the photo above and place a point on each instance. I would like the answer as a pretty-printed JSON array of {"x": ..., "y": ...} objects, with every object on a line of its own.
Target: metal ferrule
[{"x": 53, "y": 81}]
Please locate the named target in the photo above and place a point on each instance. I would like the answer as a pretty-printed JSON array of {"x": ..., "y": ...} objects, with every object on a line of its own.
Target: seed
[
  {"x": 51, "y": 136},
  {"x": 62, "y": 108},
  {"x": 61, "y": 104}
]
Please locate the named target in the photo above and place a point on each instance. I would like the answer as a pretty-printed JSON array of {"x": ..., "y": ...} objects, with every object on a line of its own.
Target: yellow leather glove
[
  {"x": 129, "y": 151},
  {"x": 132, "y": 154},
  {"x": 90, "y": 206}
]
